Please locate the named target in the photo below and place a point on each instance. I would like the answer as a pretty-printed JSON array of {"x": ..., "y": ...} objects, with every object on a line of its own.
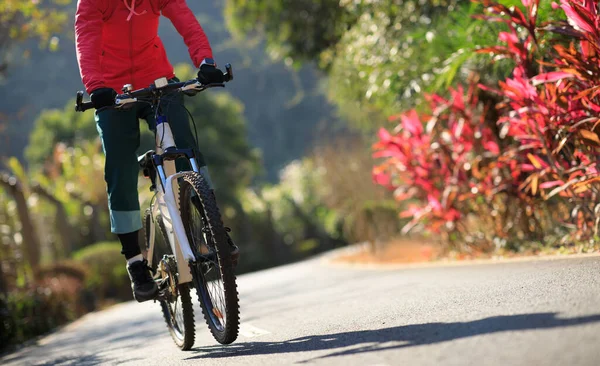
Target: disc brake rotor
[{"x": 168, "y": 272}]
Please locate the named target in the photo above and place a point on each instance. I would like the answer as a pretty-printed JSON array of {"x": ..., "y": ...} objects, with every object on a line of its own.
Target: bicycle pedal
[{"x": 162, "y": 296}]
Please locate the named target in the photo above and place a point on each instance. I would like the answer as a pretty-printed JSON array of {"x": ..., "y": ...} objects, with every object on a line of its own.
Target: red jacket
[{"x": 117, "y": 41}]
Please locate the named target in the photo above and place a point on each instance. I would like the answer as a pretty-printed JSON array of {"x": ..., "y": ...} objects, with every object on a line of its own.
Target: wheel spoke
[{"x": 216, "y": 304}]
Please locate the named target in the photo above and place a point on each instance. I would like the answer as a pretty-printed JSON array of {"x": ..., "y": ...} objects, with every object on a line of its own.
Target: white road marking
[{"x": 248, "y": 330}]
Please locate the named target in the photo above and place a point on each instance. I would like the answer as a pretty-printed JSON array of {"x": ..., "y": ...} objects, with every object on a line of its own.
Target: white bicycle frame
[{"x": 167, "y": 203}]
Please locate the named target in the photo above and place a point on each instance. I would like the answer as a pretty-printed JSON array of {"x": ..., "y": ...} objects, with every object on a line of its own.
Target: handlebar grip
[
  {"x": 79, "y": 99},
  {"x": 80, "y": 105},
  {"x": 86, "y": 105},
  {"x": 228, "y": 72}
]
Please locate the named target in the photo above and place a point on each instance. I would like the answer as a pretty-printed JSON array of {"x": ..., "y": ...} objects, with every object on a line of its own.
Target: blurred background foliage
[
  {"x": 22, "y": 20},
  {"x": 380, "y": 56},
  {"x": 288, "y": 143}
]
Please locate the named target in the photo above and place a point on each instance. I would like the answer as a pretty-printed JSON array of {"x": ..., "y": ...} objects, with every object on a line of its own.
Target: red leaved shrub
[
  {"x": 546, "y": 124},
  {"x": 431, "y": 164}
]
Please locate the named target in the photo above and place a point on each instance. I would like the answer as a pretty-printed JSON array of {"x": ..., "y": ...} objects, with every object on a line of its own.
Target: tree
[
  {"x": 380, "y": 56},
  {"x": 74, "y": 175},
  {"x": 58, "y": 126},
  {"x": 13, "y": 184},
  {"x": 25, "y": 19},
  {"x": 295, "y": 29},
  {"x": 64, "y": 229},
  {"x": 12, "y": 268}
]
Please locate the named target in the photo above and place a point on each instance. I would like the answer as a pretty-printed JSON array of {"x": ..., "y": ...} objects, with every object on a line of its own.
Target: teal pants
[{"x": 120, "y": 134}]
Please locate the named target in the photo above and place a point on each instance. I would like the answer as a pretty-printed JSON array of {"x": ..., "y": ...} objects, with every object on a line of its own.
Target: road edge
[{"x": 329, "y": 259}]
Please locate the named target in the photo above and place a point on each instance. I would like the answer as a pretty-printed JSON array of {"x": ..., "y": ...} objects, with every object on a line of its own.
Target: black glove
[
  {"x": 208, "y": 74},
  {"x": 103, "y": 97}
]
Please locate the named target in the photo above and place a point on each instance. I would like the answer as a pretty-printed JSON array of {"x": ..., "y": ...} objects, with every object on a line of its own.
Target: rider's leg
[{"x": 120, "y": 135}]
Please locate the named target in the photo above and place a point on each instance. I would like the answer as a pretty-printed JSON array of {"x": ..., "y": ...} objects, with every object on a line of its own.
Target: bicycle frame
[{"x": 167, "y": 203}]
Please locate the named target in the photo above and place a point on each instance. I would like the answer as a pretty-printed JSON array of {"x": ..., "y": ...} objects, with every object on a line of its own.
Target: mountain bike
[{"x": 185, "y": 238}]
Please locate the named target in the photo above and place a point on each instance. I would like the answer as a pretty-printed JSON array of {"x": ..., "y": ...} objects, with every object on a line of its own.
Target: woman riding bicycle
[{"x": 117, "y": 43}]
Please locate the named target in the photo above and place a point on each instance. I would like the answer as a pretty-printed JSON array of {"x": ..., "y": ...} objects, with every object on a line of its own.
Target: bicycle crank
[{"x": 167, "y": 281}]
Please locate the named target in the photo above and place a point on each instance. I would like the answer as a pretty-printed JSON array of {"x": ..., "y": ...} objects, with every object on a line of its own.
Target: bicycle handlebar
[{"x": 132, "y": 96}]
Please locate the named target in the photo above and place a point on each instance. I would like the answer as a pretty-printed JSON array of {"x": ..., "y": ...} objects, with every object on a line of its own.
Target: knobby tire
[{"x": 193, "y": 184}]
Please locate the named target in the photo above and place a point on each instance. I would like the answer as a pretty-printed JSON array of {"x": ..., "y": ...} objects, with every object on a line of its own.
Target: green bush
[
  {"x": 69, "y": 277},
  {"x": 27, "y": 313},
  {"x": 58, "y": 296},
  {"x": 107, "y": 271}
]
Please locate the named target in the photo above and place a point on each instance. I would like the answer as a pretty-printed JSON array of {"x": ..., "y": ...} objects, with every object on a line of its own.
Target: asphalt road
[{"x": 542, "y": 312}]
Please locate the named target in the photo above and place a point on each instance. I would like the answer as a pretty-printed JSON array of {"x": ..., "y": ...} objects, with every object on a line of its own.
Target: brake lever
[
  {"x": 228, "y": 74},
  {"x": 191, "y": 87},
  {"x": 198, "y": 86},
  {"x": 122, "y": 102}
]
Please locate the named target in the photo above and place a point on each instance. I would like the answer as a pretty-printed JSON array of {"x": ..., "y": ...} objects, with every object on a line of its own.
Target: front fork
[{"x": 168, "y": 203}]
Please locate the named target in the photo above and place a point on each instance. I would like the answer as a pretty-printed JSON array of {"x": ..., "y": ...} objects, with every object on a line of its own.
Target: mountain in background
[{"x": 284, "y": 108}]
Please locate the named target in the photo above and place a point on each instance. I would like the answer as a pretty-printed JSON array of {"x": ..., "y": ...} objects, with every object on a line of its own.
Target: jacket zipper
[{"x": 131, "y": 50}]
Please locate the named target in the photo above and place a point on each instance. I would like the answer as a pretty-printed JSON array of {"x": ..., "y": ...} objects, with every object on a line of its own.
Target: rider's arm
[
  {"x": 88, "y": 42},
  {"x": 188, "y": 26}
]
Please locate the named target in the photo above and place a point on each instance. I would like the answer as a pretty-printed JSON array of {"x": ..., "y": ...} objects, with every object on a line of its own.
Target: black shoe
[
  {"x": 235, "y": 251},
  {"x": 143, "y": 286}
]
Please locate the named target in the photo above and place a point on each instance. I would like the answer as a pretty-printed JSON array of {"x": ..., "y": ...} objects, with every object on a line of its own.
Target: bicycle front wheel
[{"x": 213, "y": 272}]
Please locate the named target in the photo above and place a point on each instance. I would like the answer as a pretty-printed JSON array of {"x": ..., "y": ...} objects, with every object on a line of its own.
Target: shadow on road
[
  {"x": 394, "y": 337},
  {"x": 87, "y": 348}
]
